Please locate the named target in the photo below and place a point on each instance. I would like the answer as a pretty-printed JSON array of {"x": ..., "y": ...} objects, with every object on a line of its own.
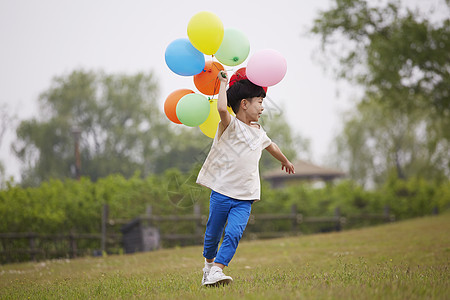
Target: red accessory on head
[{"x": 240, "y": 75}]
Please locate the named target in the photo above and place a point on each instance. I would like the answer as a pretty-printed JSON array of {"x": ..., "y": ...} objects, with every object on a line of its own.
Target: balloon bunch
[{"x": 230, "y": 47}]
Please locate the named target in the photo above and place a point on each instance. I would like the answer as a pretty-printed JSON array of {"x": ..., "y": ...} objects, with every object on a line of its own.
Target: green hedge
[
  {"x": 62, "y": 206},
  {"x": 406, "y": 198}
]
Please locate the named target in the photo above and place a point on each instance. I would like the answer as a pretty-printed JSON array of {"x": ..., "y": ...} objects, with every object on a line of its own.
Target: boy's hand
[
  {"x": 288, "y": 167},
  {"x": 223, "y": 77},
  {"x": 285, "y": 163}
]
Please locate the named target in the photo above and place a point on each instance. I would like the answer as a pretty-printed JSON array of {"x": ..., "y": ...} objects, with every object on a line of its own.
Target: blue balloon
[{"x": 183, "y": 59}]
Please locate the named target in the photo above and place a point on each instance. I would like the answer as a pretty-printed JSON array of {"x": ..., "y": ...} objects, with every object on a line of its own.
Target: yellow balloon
[
  {"x": 205, "y": 31},
  {"x": 209, "y": 127}
]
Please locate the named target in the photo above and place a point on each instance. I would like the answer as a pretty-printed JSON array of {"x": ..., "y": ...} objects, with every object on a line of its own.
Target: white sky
[{"x": 45, "y": 38}]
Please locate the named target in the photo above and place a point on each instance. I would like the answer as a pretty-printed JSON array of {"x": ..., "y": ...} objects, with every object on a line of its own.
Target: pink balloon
[{"x": 266, "y": 67}]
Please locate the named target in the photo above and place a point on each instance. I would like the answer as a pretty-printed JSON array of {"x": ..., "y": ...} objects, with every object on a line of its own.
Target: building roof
[{"x": 304, "y": 170}]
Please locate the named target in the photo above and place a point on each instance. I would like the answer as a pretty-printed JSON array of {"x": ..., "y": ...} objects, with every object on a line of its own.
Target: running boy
[{"x": 231, "y": 171}]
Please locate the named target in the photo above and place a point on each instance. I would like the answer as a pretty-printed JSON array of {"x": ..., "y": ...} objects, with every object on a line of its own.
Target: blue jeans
[{"x": 222, "y": 209}]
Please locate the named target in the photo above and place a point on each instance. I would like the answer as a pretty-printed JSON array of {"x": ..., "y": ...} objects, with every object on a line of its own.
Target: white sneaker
[
  {"x": 206, "y": 271},
  {"x": 217, "y": 277}
]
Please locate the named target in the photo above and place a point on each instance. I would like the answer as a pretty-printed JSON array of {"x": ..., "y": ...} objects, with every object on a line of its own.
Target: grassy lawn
[{"x": 404, "y": 260}]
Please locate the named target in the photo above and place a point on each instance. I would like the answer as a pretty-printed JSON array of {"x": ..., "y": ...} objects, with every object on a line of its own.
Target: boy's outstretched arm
[
  {"x": 225, "y": 117},
  {"x": 285, "y": 163}
]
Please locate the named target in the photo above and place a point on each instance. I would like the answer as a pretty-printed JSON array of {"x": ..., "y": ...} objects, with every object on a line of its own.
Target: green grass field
[{"x": 405, "y": 260}]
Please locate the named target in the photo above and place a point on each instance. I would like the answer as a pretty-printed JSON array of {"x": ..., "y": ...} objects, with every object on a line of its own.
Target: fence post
[
  {"x": 198, "y": 223},
  {"x": 148, "y": 215},
  {"x": 337, "y": 216},
  {"x": 294, "y": 219},
  {"x": 387, "y": 213},
  {"x": 32, "y": 237},
  {"x": 105, "y": 216},
  {"x": 73, "y": 245},
  {"x": 435, "y": 211}
]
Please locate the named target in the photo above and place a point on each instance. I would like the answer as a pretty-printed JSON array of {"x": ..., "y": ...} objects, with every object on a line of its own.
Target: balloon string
[
  {"x": 217, "y": 68},
  {"x": 215, "y": 82}
]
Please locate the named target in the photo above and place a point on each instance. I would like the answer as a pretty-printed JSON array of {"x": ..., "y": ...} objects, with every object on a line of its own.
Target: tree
[
  {"x": 391, "y": 51},
  {"x": 122, "y": 130},
  {"x": 7, "y": 122},
  {"x": 378, "y": 141},
  {"x": 402, "y": 60},
  {"x": 121, "y": 127}
]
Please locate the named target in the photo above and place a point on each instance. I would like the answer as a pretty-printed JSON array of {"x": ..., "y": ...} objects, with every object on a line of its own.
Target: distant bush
[
  {"x": 64, "y": 206},
  {"x": 58, "y": 206},
  {"x": 405, "y": 198}
]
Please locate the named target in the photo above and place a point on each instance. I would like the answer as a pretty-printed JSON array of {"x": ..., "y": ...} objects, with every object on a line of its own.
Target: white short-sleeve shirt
[{"x": 232, "y": 165}]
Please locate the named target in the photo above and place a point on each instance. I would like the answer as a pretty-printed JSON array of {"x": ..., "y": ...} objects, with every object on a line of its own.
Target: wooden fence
[
  {"x": 294, "y": 218},
  {"x": 42, "y": 245},
  {"x": 110, "y": 239}
]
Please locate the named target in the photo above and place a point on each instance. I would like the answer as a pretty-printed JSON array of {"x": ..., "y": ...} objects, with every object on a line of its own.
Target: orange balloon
[
  {"x": 206, "y": 81},
  {"x": 170, "y": 106}
]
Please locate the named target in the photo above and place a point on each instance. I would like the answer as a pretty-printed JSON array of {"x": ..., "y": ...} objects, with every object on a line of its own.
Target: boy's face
[{"x": 254, "y": 108}]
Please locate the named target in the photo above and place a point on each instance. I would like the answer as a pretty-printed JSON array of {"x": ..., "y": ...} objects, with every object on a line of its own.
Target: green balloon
[
  {"x": 234, "y": 49},
  {"x": 193, "y": 110}
]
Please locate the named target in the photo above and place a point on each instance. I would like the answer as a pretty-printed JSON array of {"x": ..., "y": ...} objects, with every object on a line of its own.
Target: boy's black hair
[{"x": 243, "y": 89}]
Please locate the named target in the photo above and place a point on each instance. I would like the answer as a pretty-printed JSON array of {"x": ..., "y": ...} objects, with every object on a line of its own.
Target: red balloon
[{"x": 240, "y": 75}]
